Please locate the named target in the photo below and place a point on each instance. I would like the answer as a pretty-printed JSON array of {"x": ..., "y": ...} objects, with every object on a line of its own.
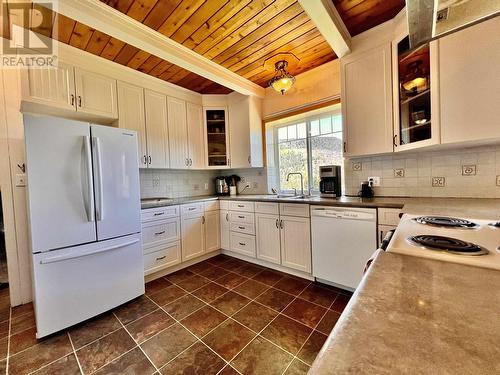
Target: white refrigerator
[{"x": 84, "y": 216}]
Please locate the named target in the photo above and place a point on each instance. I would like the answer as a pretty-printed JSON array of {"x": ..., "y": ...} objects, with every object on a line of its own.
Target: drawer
[
  {"x": 162, "y": 257},
  {"x": 241, "y": 217},
  {"x": 242, "y": 206},
  {"x": 155, "y": 233},
  {"x": 224, "y": 205},
  {"x": 267, "y": 208},
  {"x": 159, "y": 213},
  {"x": 389, "y": 216},
  {"x": 211, "y": 205},
  {"x": 243, "y": 228},
  {"x": 192, "y": 209},
  {"x": 294, "y": 209},
  {"x": 243, "y": 244}
]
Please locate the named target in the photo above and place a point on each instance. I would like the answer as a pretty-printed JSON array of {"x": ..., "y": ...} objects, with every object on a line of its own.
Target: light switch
[{"x": 20, "y": 179}]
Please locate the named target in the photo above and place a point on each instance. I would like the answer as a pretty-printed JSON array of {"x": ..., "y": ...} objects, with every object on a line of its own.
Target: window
[{"x": 303, "y": 145}]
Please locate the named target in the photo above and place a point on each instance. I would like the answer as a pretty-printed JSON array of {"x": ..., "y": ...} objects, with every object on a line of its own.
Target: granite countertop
[
  {"x": 475, "y": 208},
  {"x": 412, "y": 315}
]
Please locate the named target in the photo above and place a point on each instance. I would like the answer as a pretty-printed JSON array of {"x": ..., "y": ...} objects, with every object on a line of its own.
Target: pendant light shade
[{"x": 282, "y": 81}]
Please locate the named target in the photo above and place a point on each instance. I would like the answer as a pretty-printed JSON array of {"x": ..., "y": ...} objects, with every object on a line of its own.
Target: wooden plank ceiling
[
  {"x": 361, "y": 15},
  {"x": 237, "y": 34}
]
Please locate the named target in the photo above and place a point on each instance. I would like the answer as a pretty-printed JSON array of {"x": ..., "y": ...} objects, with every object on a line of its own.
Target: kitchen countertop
[
  {"x": 475, "y": 208},
  {"x": 417, "y": 316},
  {"x": 163, "y": 202}
]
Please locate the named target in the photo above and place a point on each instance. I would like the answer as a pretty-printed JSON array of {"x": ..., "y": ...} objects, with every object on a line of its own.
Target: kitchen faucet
[{"x": 301, "y": 182}]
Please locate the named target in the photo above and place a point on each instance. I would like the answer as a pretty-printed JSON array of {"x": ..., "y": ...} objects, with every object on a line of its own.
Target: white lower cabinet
[
  {"x": 296, "y": 243},
  {"x": 268, "y": 237},
  {"x": 193, "y": 237},
  {"x": 243, "y": 243},
  {"x": 225, "y": 226},
  {"x": 212, "y": 232},
  {"x": 160, "y": 257},
  {"x": 161, "y": 234}
]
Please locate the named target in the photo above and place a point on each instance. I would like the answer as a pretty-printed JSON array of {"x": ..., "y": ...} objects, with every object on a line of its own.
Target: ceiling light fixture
[{"x": 282, "y": 80}]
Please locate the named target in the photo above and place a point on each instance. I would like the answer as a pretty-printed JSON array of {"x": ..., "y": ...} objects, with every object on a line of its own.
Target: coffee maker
[
  {"x": 330, "y": 184},
  {"x": 221, "y": 186}
]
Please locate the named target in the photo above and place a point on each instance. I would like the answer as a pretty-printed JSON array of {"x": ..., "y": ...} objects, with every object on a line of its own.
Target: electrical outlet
[
  {"x": 375, "y": 181},
  {"x": 20, "y": 180},
  {"x": 156, "y": 181},
  {"x": 438, "y": 181},
  {"x": 243, "y": 180},
  {"x": 498, "y": 180},
  {"x": 206, "y": 185}
]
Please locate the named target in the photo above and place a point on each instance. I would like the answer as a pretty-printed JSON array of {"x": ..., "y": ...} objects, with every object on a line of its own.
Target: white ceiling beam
[
  {"x": 326, "y": 18},
  {"x": 108, "y": 20}
]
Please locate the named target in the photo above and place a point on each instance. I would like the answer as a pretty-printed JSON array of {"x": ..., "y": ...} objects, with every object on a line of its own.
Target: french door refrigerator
[{"x": 84, "y": 216}]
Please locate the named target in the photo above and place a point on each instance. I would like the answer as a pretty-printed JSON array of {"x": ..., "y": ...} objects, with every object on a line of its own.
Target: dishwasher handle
[{"x": 344, "y": 214}]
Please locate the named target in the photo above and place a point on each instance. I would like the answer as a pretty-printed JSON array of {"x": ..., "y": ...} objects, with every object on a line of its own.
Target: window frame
[{"x": 308, "y": 183}]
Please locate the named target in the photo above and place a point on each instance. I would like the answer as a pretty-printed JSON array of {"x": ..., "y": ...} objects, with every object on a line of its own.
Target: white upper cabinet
[
  {"x": 156, "y": 129},
  {"x": 216, "y": 134},
  {"x": 196, "y": 136},
  {"x": 131, "y": 116},
  {"x": 245, "y": 119},
  {"x": 95, "y": 94},
  {"x": 178, "y": 133},
  {"x": 55, "y": 87},
  {"x": 367, "y": 101},
  {"x": 415, "y": 94},
  {"x": 469, "y": 72}
]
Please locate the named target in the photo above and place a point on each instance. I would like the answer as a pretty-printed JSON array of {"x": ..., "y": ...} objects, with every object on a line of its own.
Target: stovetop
[{"x": 458, "y": 240}]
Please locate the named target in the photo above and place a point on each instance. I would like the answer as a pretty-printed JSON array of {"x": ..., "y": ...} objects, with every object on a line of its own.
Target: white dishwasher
[{"x": 342, "y": 241}]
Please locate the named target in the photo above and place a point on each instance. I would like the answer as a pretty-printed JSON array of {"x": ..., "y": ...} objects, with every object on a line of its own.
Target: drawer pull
[
  {"x": 160, "y": 258},
  {"x": 241, "y": 227},
  {"x": 242, "y": 243},
  {"x": 159, "y": 213},
  {"x": 241, "y": 205},
  {"x": 191, "y": 208},
  {"x": 241, "y": 217},
  {"x": 159, "y": 233}
]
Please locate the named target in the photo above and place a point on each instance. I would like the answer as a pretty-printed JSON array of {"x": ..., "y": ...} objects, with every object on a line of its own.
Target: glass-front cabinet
[
  {"x": 217, "y": 137},
  {"x": 415, "y": 94}
]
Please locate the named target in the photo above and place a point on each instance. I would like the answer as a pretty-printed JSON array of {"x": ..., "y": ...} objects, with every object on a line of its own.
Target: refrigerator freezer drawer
[{"x": 77, "y": 283}]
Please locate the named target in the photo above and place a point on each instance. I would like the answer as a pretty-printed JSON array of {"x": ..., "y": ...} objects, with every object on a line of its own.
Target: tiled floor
[{"x": 221, "y": 316}]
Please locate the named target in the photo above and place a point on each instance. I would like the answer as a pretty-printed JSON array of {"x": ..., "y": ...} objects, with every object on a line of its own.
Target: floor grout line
[
  {"x": 137, "y": 345},
  {"x": 74, "y": 353},
  {"x": 8, "y": 343}
]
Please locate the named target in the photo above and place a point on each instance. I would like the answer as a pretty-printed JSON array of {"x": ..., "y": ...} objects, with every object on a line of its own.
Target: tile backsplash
[
  {"x": 466, "y": 172},
  {"x": 181, "y": 183}
]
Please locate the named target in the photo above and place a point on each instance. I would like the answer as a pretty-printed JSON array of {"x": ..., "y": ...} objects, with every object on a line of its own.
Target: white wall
[{"x": 315, "y": 86}]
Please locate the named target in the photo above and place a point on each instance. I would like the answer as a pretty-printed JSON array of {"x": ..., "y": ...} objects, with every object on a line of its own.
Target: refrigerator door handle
[
  {"x": 100, "y": 188},
  {"x": 61, "y": 258},
  {"x": 89, "y": 205}
]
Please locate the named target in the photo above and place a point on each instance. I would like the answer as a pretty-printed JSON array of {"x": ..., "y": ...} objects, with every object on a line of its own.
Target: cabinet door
[
  {"x": 55, "y": 87},
  {"x": 193, "y": 237},
  {"x": 131, "y": 115},
  {"x": 216, "y": 137},
  {"x": 245, "y": 121},
  {"x": 268, "y": 237},
  {"x": 296, "y": 243},
  {"x": 195, "y": 135},
  {"x": 212, "y": 233},
  {"x": 156, "y": 129},
  {"x": 95, "y": 94},
  {"x": 178, "y": 135},
  {"x": 367, "y": 102},
  {"x": 224, "y": 229},
  {"x": 470, "y": 83}
]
